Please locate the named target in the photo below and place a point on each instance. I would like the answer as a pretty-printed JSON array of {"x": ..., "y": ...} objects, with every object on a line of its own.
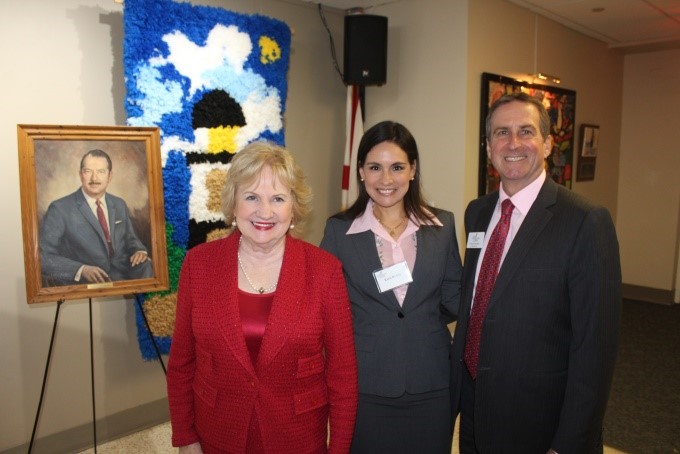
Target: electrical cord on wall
[{"x": 332, "y": 42}]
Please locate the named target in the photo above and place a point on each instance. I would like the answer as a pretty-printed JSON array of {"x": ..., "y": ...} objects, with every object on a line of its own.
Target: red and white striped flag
[{"x": 354, "y": 131}]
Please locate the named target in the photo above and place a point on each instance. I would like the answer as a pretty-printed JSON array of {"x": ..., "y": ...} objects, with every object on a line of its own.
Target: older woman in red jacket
[{"x": 262, "y": 357}]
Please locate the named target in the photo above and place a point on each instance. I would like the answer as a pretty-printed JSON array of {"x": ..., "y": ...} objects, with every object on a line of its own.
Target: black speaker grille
[{"x": 365, "y": 50}]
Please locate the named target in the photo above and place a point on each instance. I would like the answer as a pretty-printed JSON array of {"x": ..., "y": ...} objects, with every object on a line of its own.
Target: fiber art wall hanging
[{"x": 213, "y": 81}]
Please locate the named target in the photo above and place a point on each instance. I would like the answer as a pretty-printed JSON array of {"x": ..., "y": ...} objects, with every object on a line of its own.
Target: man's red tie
[
  {"x": 105, "y": 226},
  {"x": 485, "y": 283}
]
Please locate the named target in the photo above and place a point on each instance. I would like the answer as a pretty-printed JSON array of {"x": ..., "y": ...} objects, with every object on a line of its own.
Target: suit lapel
[
  {"x": 367, "y": 254},
  {"x": 532, "y": 226},
  {"x": 111, "y": 208},
  {"x": 225, "y": 304},
  {"x": 479, "y": 223},
  {"x": 288, "y": 301},
  {"x": 366, "y": 251},
  {"x": 87, "y": 213},
  {"x": 422, "y": 266}
]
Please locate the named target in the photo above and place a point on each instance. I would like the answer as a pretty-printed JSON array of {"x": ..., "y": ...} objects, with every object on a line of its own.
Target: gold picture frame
[{"x": 54, "y": 179}]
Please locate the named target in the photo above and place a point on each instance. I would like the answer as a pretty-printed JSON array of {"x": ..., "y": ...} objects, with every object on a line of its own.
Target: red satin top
[{"x": 254, "y": 309}]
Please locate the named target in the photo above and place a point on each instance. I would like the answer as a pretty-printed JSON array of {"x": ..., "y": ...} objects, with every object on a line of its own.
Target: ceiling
[{"x": 630, "y": 25}]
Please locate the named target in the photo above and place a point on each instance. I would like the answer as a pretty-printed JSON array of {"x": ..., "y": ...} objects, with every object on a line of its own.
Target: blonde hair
[{"x": 246, "y": 167}]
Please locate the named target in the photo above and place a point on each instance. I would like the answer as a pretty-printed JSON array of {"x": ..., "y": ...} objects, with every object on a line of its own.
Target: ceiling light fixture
[{"x": 548, "y": 77}]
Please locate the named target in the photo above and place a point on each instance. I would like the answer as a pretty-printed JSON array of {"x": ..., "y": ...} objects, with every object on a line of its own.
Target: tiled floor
[{"x": 156, "y": 440}]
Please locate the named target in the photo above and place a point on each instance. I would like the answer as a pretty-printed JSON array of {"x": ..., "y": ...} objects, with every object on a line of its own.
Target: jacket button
[{"x": 400, "y": 314}]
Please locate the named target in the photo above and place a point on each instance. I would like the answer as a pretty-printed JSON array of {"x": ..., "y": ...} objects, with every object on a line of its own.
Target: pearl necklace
[{"x": 259, "y": 290}]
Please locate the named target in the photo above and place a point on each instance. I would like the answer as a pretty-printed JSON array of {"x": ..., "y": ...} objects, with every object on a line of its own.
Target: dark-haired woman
[{"x": 402, "y": 266}]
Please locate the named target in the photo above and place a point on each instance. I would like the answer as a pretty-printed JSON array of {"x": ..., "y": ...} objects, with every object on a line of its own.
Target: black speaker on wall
[{"x": 365, "y": 49}]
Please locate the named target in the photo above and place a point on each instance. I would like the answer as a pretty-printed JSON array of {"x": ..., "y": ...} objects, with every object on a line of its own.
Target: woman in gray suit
[{"x": 402, "y": 266}]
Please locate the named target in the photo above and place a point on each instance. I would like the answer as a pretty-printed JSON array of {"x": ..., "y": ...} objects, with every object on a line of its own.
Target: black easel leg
[
  {"x": 47, "y": 368},
  {"x": 94, "y": 413},
  {"x": 148, "y": 329}
]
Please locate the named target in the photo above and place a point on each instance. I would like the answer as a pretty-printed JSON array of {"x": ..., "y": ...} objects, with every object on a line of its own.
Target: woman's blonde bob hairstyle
[{"x": 246, "y": 168}]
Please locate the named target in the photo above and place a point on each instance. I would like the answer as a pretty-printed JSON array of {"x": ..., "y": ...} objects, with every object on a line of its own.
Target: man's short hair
[
  {"x": 543, "y": 117},
  {"x": 96, "y": 153}
]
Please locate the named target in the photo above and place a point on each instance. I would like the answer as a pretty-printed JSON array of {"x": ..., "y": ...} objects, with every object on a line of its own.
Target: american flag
[{"x": 354, "y": 131}]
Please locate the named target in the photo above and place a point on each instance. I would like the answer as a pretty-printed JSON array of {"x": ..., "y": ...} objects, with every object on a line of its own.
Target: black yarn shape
[{"x": 215, "y": 109}]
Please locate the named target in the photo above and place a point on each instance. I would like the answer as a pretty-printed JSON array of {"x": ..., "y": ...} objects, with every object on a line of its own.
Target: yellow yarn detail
[
  {"x": 269, "y": 50},
  {"x": 222, "y": 138}
]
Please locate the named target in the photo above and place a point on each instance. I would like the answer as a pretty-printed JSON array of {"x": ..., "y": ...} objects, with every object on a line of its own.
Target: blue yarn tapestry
[{"x": 213, "y": 81}]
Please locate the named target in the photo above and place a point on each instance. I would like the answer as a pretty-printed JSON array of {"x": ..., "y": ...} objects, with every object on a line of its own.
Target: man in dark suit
[
  {"x": 534, "y": 351},
  {"x": 87, "y": 236}
]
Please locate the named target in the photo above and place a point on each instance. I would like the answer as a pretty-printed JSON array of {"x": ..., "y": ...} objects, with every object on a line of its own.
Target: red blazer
[{"x": 305, "y": 377}]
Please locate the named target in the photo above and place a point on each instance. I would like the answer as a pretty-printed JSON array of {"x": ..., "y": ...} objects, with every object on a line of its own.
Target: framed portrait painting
[
  {"x": 561, "y": 106},
  {"x": 92, "y": 211}
]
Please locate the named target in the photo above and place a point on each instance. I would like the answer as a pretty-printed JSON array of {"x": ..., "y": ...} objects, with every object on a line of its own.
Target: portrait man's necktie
[
  {"x": 105, "y": 226},
  {"x": 485, "y": 283}
]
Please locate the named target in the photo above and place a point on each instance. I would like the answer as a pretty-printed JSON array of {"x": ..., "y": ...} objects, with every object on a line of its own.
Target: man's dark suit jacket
[
  {"x": 550, "y": 335},
  {"x": 70, "y": 236},
  {"x": 401, "y": 349}
]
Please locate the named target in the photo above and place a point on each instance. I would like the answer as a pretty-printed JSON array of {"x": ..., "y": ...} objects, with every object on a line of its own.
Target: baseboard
[
  {"x": 647, "y": 294},
  {"x": 108, "y": 428}
]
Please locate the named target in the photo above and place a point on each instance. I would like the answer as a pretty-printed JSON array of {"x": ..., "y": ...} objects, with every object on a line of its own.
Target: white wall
[
  {"x": 63, "y": 65},
  {"x": 649, "y": 188}
]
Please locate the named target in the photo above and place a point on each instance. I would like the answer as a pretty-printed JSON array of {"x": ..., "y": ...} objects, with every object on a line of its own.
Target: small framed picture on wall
[{"x": 589, "y": 141}]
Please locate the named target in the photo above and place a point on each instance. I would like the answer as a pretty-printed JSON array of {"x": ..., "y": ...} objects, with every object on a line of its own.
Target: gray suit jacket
[
  {"x": 550, "y": 335},
  {"x": 70, "y": 236},
  {"x": 401, "y": 348}
]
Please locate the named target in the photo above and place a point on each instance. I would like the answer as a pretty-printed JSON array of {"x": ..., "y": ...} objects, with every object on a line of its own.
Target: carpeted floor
[{"x": 643, "y": 415}]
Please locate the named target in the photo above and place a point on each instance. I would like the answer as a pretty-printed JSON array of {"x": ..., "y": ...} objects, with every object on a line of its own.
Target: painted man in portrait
[{"x": 88, "y": 236}]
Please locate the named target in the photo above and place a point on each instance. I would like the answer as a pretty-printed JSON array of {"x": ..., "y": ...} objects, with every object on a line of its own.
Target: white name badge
[
  {"x": 392, "y": 276},
  {"x": 475, "y": 240}
]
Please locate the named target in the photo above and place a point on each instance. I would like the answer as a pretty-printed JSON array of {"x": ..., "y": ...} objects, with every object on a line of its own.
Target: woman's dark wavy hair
[{"x": 389, "y": 131}]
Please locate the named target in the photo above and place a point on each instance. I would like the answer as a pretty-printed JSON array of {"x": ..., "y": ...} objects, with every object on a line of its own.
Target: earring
[
  {"x": 362, "y": 180},
  {"x": 413, "y": 178},
  {"x": 233, "y": 223}
]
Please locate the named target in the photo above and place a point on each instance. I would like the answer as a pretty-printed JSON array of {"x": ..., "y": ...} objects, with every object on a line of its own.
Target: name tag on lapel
[
  {"x": 475, "y": 240},
  {"x": 392, "y": 276}
]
